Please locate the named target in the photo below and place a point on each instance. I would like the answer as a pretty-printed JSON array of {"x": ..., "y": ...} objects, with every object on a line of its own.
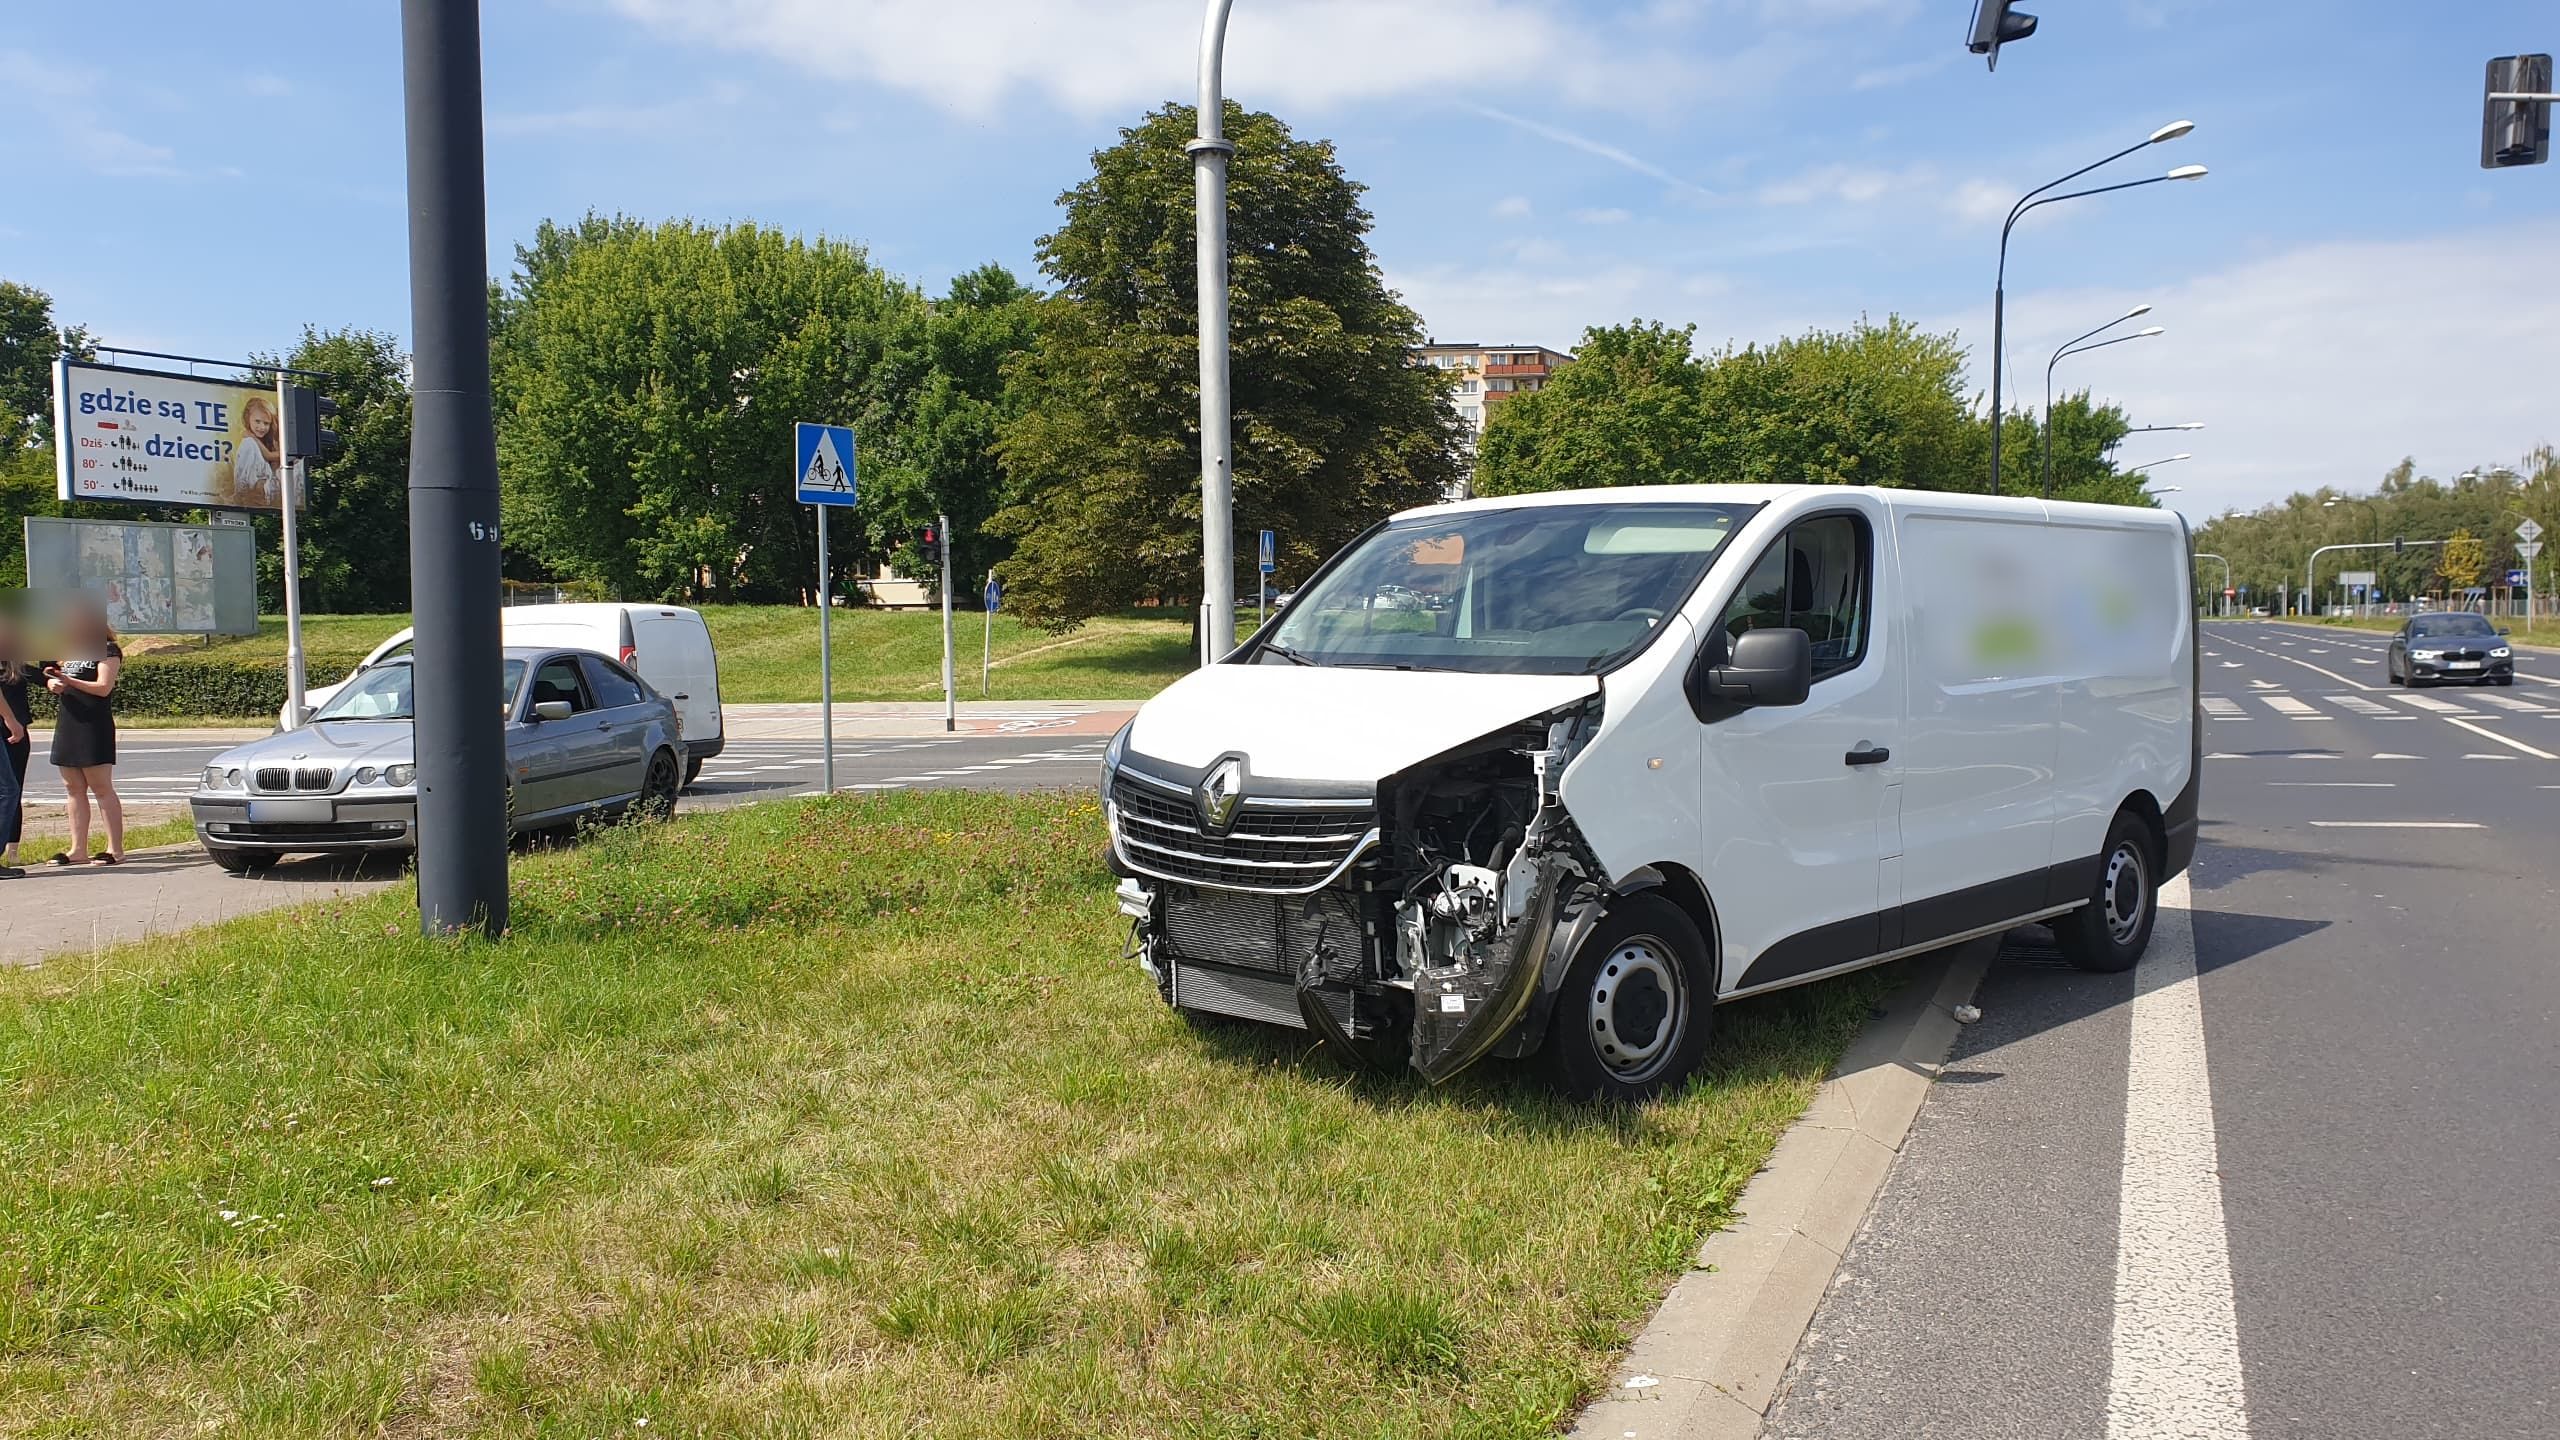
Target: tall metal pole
[
  {"x": 453, "y": 480},
  {"x": 296, "y": 677},
  {"x": 1209, "y": 155},
  {"x": 950, "y": 695},
  {"x": 826, "y": 656}
]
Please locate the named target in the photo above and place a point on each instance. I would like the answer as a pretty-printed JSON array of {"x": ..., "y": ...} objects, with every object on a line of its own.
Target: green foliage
[
  {"x": 2269, "y": 546},
  {"x": 29, "y": 344},
  {"x": 2462, "y": 562},
  {"x": 646, "y": 380},
  {"x": 1333, "y": 426},
  {"x": 355, "y": 526},
  {"x": 1872, "y": 405},
  {"x": 170, "y": 684}
]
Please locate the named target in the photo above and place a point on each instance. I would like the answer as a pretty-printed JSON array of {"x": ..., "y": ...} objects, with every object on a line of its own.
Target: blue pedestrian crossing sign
[
  {"x": 823, "y": 467},
  {"x": 1270, "y": 551}
]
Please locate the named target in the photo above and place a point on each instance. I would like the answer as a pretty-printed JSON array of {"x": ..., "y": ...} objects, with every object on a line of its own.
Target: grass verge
[
  {"x": 770, "y": 653},
  {"x": 43, "y": 841},
  {"x": 842, "y": 1118}
]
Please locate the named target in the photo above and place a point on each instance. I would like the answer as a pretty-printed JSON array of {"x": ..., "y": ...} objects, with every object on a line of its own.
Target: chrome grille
[
  {"x": 284, "y": 780},
  {"x": 1272, "y": 847}
]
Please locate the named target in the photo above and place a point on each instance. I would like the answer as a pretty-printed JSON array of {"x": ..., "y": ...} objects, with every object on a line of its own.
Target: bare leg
[
  {"x": 76, "y": 791},
  {"x": 102, "y": 783}
]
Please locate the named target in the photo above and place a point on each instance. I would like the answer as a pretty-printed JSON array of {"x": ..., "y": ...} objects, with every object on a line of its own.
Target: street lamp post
[
  {"x": 2155, "y": 464},
  {"x": 2029, "y": 201},
  {"x": 2075, "y": 347},
  {"x": 2226, "y": 577},
  {"x": 1209, "y": 154}
]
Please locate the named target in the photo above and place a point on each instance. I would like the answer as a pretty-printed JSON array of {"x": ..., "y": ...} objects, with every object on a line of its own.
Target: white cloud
[
  {"x": 64, "y": 98},
  {"x": 646, "y": 119},
  {"x": 1513, "y": 207},
  {"x": 1101, "y": 56},
  {"x": 1573, "y": 140},
  {"x": 1609, "y": 216},
  {"x": 1845, "y": 184},
  {"x": 2320, "y": 366}
]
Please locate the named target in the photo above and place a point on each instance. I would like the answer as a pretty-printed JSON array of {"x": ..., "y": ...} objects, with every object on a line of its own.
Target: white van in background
[
  {"x": 1661, "y": 748},
  {"x": 668, "y": 645}
]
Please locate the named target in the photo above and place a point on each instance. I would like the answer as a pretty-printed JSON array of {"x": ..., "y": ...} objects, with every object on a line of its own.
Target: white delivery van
[
  {"x": 668, "y": 645},
  {"x": 1659, "y": 749}
]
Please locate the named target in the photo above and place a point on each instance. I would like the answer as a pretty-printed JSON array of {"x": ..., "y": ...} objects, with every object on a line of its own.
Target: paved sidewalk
[{"x": 87, "y": 908}]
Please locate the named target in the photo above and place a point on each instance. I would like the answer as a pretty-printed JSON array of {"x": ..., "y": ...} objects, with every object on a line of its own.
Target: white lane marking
[
  {"x": 2536, "y": 753},
  {"x": 2432, "y": 705},
  {"x": 879, "y": 785},
  {"x": 2509, "y": 702},
  {"x": 2291, "y": 708},
  {"x": 2225, "y": 755},
  {"x": 2476, "y": 755},
  {"x": 2389, "y": 755},
  {"x": 2219, "y": 708},
  {"x": 2336, "y": 784},
  {"x": 2397, "y": 825},
  {"x": 2175, "y": 1367},
  {"x": 2361, "y": 706}
]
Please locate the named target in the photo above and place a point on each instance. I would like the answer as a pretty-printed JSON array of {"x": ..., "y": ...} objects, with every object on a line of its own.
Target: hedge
[{"x": 182, "y": 685}]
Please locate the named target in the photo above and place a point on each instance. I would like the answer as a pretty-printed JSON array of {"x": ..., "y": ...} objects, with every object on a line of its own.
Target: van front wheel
[
  {"x": 2110, "y": 933},
  {"x": 1633, "y": 1016}
]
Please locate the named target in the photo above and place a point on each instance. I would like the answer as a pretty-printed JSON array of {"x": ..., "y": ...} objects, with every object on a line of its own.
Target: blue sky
[{"x": 2346, "y": 287}]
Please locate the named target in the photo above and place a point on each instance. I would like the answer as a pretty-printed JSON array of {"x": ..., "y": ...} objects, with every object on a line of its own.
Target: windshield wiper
[{"x": 1294, "y": 657}]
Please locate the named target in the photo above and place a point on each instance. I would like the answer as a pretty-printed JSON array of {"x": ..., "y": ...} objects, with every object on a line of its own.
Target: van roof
[
  {"x": 1941, "y": 501},
  {"x": 588, "y": 610}
]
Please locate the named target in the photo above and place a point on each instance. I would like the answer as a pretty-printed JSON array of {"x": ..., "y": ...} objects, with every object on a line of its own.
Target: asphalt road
[{"x": 2315, "y": 1191}]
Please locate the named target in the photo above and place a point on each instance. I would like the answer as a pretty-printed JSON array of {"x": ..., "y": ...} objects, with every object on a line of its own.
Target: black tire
[
  {"x": 692, "y": 770},
  {"x": 1637, "y": 1005},
  {"x": 240, "y": 862},
  {"x": 2504, "y": 680},
  {"x": 2109, "y": 934},
  {"x": 658, "y": 788}
]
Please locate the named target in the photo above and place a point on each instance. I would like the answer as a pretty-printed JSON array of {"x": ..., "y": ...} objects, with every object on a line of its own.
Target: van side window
[{"x": 1814, "y": 579}]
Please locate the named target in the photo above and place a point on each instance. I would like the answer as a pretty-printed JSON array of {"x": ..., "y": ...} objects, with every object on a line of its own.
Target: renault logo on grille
[{"x": 1220, "y": 792}]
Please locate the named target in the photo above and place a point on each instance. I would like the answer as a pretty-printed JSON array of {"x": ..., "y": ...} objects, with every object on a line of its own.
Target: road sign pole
[
  {"x": 296, "y": 677},
  {"x": 826, "y": 657},
  {"x": 950, "y": 694},
  {"x": 987, "y": 656}
]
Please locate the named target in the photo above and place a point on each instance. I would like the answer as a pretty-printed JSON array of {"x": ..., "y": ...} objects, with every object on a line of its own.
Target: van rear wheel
[
  {"x": 1637, "y": 1004},
  {"x": 2109, "y": 934}
]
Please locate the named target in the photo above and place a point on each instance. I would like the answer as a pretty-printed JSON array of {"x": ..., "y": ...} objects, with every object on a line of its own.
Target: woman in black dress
[
  {"x": 15, "y": 715},
  {"x": 84, "y": 731}
]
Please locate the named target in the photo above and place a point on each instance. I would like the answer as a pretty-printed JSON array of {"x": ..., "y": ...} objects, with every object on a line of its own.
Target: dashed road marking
[
  {"x": 2291, "y": 708},
  {"x": 2397, "y": 825}
]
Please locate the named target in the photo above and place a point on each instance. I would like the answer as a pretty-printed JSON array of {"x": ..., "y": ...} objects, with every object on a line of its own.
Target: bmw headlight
[
  {"x": 221, "y": 777},
  {"x": 400, "y": 775},
  {"x": 2501, "y": 653},
  {"x": 2426, "y": 654},
  {"x": 366, "y": 775}
]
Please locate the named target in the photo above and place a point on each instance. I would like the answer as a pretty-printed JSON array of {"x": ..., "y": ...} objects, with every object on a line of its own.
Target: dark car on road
[{"x": 2449, "y": 646}]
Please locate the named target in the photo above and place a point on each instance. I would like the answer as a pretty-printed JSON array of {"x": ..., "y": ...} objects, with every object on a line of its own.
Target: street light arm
[
  {"x": 2078, "y": 349},
  {"x": 1213, "y": 59},
  {"x": 2028, "y": 201},
  {"x": 2026, "y": 205}
]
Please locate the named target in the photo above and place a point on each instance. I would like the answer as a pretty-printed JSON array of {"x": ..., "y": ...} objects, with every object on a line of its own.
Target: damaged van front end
[{"x": 1410, "y": 919}]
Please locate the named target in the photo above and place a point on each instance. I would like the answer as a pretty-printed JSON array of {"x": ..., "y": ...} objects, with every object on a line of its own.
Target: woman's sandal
[
  {"x": 103, "y": 858},
  {"x": 64, "y": 859}
]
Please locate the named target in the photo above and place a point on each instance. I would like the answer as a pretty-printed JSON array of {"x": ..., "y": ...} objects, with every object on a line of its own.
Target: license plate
[
  {"x": 2463, "y": 665},
  {"x": 291, "y": 812}
]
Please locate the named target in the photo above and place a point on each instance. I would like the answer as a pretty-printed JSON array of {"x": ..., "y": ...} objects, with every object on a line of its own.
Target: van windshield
[{"x": 1538, "y": 590}]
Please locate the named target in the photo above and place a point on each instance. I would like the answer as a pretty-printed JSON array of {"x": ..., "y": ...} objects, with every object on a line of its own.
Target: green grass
[
  {"x": 843, "y": 1118},
  {"x": 50, "y": 837},
  {"x": 770, "y": 653}
]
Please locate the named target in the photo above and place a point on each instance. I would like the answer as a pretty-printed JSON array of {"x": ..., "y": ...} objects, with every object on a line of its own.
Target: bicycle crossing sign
[{"x": 823, "y": 464}]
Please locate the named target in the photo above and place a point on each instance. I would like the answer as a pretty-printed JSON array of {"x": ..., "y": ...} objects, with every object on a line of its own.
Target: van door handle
[
  {"x": 1869, "y": 755},
  {"x": 680, "y": 695}
]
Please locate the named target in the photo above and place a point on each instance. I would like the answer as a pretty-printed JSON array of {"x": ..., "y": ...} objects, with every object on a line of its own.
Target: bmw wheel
[
  {"x": 658, "y": 792},
  {"x": 1633, "y": 1017}
]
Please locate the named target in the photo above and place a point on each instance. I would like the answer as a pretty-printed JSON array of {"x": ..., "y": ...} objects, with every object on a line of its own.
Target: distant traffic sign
[
  {"x": 995, "y": 595},
  {"x": 2529, "y": 531},
  {"x": 2526, "y": 550},
  {"x": 823, "y": 464},
  {"x": 1271, "y": 551}
]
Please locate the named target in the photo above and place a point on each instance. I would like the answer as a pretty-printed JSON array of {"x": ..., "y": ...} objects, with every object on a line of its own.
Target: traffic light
[
  {"x": 928, "y": 537},
  {"x": 2397, "y": 542},
  {"x": 2516, "y": 131},
  {"x": 1995, "y": 25},
  {"x": 304, "y": 409}
]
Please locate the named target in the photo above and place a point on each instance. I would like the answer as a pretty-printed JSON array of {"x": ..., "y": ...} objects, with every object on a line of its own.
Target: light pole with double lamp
[
  {"x": 2076, "y": 347},
  {"x": 2037, "y": 197}
]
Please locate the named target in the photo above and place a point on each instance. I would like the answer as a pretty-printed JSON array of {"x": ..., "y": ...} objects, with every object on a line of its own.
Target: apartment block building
[{"x": 1490, "y": 374}]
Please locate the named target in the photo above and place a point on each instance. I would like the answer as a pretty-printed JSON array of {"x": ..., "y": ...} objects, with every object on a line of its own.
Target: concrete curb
[{"x": 1708, "y": 1365}]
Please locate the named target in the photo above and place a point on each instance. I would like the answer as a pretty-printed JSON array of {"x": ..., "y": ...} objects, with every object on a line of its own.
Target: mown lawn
[
  {"x": 844, "y": 1118},
  {"x": 49, "y": 834},
  {"x": 770, "y": 653}
]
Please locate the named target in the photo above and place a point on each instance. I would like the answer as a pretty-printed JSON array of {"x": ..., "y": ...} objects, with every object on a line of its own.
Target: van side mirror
[
  {"x": 550, "y": 709},
  {"x": 1764, "y": 667}
]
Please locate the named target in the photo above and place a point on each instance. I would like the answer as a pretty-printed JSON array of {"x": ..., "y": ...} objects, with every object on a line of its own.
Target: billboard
[
  {"x": 155, "y": 579},
  {"x": 151, "y": 438}
]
